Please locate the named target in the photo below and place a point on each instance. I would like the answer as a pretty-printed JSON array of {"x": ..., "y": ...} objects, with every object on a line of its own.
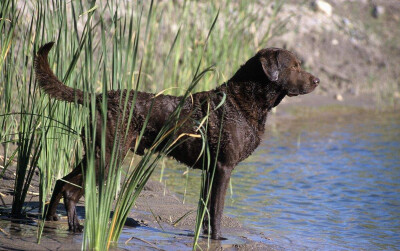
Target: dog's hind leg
[
  {"x": 55, "y": 199},
  {"x": 72, "y": 193},
  {"x": 70, "y": 187}
]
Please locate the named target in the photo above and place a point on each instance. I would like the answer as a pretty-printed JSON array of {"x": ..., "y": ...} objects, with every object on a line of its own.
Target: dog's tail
[{"x": 49, "y": 83}]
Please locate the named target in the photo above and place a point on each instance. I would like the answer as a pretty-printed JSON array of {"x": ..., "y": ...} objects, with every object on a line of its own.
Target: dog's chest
[{"x": 239, "y": 140}]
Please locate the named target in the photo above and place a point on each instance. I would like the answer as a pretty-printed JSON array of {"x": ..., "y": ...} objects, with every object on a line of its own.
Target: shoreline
[{"x": 156, "y": 201}]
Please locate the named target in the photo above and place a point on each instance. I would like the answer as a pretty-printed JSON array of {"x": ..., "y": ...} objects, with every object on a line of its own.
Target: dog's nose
[{"x": 316, "y": 81}]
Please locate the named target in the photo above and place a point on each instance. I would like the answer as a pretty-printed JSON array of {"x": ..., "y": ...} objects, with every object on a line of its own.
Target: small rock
[
  {"x": 377, "y": 11},
  {"x": 346, "y": 22},
  {"x": 335, "y": 42},
  {"x": 396, "y": 94},
  {"x": 339, "y": 97},
  {"x": 322, "y": 6}
]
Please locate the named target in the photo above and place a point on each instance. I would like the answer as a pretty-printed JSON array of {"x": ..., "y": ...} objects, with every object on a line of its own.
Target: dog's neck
[
  {"x": 253, "y": 99},
  {"x": 253, "y": 94}
]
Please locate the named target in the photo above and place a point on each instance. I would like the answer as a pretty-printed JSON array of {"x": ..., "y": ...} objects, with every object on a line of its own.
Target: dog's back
[{"x": 157, "y": 107}]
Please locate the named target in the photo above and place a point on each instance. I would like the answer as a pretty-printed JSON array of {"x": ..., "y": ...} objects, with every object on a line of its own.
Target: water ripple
[{"x": 335, "y": 187}]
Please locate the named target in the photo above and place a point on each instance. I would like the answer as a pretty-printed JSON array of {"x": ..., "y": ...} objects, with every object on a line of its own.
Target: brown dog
[{"x": 259, "y": 85}]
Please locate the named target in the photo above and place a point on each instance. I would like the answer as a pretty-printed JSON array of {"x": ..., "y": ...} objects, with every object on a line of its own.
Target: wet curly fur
[{"x": 259, "y": 85}]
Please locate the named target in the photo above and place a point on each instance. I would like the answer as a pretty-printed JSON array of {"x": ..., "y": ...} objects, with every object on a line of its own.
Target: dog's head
[{"x": 283, "y": 68}]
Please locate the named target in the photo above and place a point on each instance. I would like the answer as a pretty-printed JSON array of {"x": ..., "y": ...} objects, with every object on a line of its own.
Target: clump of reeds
[{"x": 151, "y": 46}]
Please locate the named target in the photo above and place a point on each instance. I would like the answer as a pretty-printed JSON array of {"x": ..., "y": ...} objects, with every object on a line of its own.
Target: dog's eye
[{"x": 297, "y": 66}]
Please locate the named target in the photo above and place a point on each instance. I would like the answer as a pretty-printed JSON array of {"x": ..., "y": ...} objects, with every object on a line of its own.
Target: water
[
  {"x": 331, "y": 184},
  {"x": 316, "y": 183}
]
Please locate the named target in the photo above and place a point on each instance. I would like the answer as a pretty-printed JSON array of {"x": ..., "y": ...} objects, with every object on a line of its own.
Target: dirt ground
[{"x": 155, "y": 208}]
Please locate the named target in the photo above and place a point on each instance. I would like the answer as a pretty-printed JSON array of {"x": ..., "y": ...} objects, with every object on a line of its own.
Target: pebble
[
  {"x": 339, "y": 97},
  {"x": 377, "y": 11},
  {"x": 322, "y": 6}
]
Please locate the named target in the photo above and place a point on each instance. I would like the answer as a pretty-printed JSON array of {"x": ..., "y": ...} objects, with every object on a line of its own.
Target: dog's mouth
[{"x": 293, "y": 93}]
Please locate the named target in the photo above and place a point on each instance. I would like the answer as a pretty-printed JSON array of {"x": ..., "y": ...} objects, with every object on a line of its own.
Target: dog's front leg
[
  {"x": 71, "y": 198},
  {"x": 220, "y": 185}
]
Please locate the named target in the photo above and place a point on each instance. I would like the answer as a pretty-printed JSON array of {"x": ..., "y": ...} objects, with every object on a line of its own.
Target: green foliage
[{"x": 158, "y": 46}]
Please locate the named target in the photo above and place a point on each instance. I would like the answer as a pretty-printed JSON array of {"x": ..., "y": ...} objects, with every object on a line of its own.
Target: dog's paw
[
  {"x": 78, "y": 229},
  {"x": 75, "y": 227},
  {"x": 217, "y": 237},
  {"x": 52, "y": 217}
]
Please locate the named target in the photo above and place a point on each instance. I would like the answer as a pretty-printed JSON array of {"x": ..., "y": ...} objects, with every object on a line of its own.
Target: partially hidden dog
[{"x": 237, "y": 126}]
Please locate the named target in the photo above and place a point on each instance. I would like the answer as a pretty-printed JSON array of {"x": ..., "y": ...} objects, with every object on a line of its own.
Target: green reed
[{"x": 104, "y": 45}]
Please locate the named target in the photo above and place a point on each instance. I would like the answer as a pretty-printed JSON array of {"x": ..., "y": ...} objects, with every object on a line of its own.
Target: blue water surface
[{"x": 313, "y": 183}]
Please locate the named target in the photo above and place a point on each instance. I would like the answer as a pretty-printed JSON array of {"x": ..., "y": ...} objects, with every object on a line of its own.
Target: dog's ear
[{"x": 270, "y": 65}]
